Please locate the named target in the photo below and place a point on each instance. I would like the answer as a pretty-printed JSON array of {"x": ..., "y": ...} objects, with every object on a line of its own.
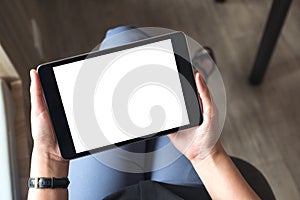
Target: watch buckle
[{"x": 36, "y": 180}]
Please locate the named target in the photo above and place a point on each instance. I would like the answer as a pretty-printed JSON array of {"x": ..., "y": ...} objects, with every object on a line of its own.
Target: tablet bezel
[{"x": 56, "y": 109}]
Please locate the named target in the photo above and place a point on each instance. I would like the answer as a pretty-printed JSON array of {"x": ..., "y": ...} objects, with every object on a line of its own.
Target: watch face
[{"x": 44, "y": 182}]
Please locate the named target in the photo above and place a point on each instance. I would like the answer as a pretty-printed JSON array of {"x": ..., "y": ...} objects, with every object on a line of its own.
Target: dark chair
[
  {"x": 254, "y": 178},
  {"x": 252, "y": 175}
]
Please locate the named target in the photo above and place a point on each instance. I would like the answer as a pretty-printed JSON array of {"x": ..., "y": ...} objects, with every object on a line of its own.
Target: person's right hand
[
  {"x": 201, "y": 146},
  {"x": 201, "y": 141}
]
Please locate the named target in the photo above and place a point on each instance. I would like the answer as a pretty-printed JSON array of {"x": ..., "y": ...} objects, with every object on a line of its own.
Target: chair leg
[{"x": 220, "y": 1}]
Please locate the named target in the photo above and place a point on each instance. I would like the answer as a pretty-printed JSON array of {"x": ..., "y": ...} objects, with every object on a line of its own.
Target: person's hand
[
  {"x": 46, "y": 160},
  {"x": 201, "y": 141},
  {"x": 202, "y": 147},
  {"x": 46, "y": 157}
]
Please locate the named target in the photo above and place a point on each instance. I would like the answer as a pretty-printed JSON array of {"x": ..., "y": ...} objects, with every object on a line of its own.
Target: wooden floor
[{"x": 262, "y": 124}]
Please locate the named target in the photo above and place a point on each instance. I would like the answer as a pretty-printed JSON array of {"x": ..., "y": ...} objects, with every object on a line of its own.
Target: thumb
[
  {"x": 204, "y": 95},
  {"x": 36, "y": 94}
]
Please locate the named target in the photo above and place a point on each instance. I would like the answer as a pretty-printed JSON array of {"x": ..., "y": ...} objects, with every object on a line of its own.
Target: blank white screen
[{"x": 115, "y": 66}]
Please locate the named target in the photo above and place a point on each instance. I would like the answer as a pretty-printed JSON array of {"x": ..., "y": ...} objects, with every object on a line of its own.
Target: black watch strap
[{"x": 42, "y": 182}]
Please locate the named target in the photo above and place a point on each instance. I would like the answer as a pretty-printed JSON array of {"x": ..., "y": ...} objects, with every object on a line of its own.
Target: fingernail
[
  {"x": 203, "y": 81},
  {"x": 31, "y": 74}
]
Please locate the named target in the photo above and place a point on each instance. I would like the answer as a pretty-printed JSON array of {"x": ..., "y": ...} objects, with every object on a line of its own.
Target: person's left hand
[{"x": 46, "y": 157}]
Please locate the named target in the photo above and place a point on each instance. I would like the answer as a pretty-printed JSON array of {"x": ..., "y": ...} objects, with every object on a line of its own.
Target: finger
[
  {"x": 37, "y": 99},
  {"x": 204, "y": 95},
  {"x": 171, "y": 136}
]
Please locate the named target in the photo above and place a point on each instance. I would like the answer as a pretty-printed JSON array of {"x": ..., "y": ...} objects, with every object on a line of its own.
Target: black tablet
[{"x": 117, "y": 96}]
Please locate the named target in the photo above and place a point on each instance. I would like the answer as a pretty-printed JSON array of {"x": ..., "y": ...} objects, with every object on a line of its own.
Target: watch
[{"x": 42, "y": 182}]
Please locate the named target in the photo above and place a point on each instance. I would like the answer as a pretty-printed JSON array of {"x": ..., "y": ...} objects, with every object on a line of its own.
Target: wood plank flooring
[{"x": 262, "y": 124}]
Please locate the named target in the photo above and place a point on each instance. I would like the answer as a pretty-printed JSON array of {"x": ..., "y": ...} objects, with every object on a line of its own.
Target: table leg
[{"x": 273, "y": 27}]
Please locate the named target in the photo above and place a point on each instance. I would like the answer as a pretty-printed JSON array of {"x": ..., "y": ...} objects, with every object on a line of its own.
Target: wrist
[
  {"x": 45, "y": 164},
  {"x": 212, "y": 158}
]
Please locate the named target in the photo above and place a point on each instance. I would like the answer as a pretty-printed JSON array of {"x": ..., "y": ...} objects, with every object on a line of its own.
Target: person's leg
[
  {"x": 113, "y": 38},
  {"x": 180, "y": 172},
  {"x": 91, "y": 179},
  {"x": 182, "y": 166}
]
